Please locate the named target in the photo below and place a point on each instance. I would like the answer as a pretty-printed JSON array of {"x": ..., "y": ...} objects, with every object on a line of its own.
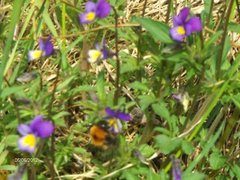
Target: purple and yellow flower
[
  {"x": 100, "y": 53},
  {"x": 113, "y": 117},
  {"x": 45, "y": 49},
  {"x": 38, "y": 128},
  {"x": 101, "y": 9},
  {"x": 184, "y": 25}
]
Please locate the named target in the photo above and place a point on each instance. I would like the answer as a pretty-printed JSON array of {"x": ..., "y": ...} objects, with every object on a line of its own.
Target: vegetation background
[{"x": 195, "y": 134}]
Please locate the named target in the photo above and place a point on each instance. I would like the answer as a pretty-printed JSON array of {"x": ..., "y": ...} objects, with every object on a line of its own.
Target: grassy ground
[{"x": 195, "y": 134}]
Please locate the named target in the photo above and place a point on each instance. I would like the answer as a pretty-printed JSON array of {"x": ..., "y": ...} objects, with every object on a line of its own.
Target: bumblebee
[{"x": 101, "y": 136}]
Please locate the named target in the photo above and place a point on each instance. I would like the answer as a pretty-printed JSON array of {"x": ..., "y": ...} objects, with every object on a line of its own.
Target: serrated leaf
[
  {"x": 158, "y": 30},
  {"x": 187, "y": 147},
  {"x": 146, "y": 150},
  {"x": 161, "y": 110},
  {"x": 146, "y": 100},
  {"x": 167, "y": 144},
  {"x": 216, "y": 160}
]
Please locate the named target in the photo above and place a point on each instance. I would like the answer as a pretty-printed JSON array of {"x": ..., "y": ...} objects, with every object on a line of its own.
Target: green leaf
[
  {"x": 129, "y": 65},
  {"x": 65, "y": 83},
  {"x": 146, "y": 150},
  {"x": 17, "y": 6},
  {"x": 11, "y": 90},
  {"x": 3, "y": 156},
  {"x": 8, "y": 167},
  {"x": 101, "y": 87},
  {"x": 167, "y": 144},
  {"x": 216, "y": 160},
  {"x": 138, "y": 86},
  {"x": 209, "y": 144},
  {"x": 161, "y": 110},
  {"x": 11, "y": 140},
  {"x": 236, "y": 100},
  {"x": 187, "y": 147},
  {"x": 146, "y": 100},
  {"x": 195, "y": 176},
  {"x": 158, "y": 30},
  {"x": 234, "y": 27},
  {"x": 236, "y": 170}
]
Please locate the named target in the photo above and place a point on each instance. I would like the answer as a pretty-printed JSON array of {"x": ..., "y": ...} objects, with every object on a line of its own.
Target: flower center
[
  {"x": 180, "y": 30},
  {"x": 29, "y": 140},
  {"x": 112, "y": 122},
  {"x": 90, "y": 16},
  {"x": 94, "y": 55},
  {"x": 35, "y": 54}
]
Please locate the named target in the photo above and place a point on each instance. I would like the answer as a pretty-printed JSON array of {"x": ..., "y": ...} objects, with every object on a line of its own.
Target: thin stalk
[
  {"x": 63, "y": 25},
  {"x": 86, "y": 31},
  {"x": 219, "y": 60},
  {"x": 50, "y": 115},
  {"x": 168, "y": 11},
  {"x": 238, "y": 8},
  {"x": 139, "y": 53},
  {"x": 210, "y": 13},
  {"x": 117, "y": 82}
]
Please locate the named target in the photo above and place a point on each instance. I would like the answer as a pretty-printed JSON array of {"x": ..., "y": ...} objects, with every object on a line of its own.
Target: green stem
[
  {"x": 168, "y": 11},
  {"x": 219, "y": 59},
  {"x": 117, "y": 82}
]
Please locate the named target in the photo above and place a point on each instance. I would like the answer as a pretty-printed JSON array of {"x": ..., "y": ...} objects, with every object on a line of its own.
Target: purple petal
[
  {"x": 45, "y": 129},
  {"x": 177, "y": 21},
  {"x": 41, "y": 128},
  {"x": 90, "y": 7},
  {"x": 105, "y": 53},
  {"x": 27, "y": 143},
  {"x": 46, "y": 46},
  {"x": 87, "y": 17},
  {"x": 103, "y": 9},
  {"x": 175, "y": 35},
  {"x": 184, "y": 14},
  {"x": 123, "y": 116},
  {"x": 110, "y": 112},
  {"x": 194, "y": 24},
  {"x": 36, "y": 121},
  {"x": 24, "y": 129}
]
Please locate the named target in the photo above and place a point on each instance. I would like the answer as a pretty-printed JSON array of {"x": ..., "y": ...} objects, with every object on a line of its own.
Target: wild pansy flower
[
  {"x": 101, "y": 9},
  {"x": 113, "y": 117},
  {"x": 38, "y": 128},
  {"x": 184, "y": 25},
  {"x": 45, "y": 49},
  {"x": 100, "y": 53}
]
